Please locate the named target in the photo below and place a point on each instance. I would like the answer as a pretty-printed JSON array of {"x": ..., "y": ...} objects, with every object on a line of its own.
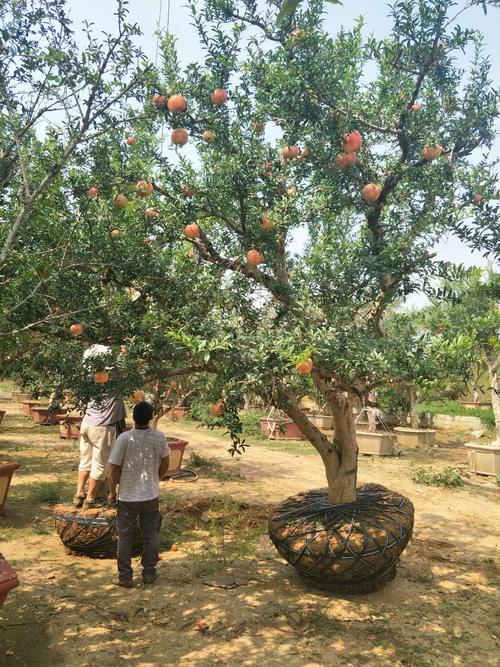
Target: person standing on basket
[
  {"x": 138, "y": 461},
  {"x": 103, "y": 421}
]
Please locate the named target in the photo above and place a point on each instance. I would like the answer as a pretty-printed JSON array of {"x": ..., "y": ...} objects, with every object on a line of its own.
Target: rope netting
[
  {"x": 91, "y": 532},
  {"x": 352, "y": 547}
]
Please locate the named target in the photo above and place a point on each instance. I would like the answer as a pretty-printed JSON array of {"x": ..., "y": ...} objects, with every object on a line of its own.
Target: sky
[{"x": 146, "y": 14}]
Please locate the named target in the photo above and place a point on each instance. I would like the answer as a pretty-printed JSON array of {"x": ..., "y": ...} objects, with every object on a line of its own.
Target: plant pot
[
  {"x": 361, "y": 427},
  {"x": 348, "y": 548},
  {"x": 28, "y": 405},
  {"x": 2, "y": 415},
  {"x": 69, "y": 426},
  {"x": 7, "y": 469},
  {"x": 179, "y": 412},
  {"x": 324, "y": 422},
  {"x": 484, "y": 459},
  {"x": 415, "y": 437},
  {"x": 91, "y": 532},
  {"x": 20, "y": 396},
  {"x": 375, "y": 442},
  {"x": 475, "y": 405},
  {"x": 8, "y": 579},
  {"x": 42, "y": 415},
  {"x": 177, "y": 448},
  {"x": 285, "y": 429}
]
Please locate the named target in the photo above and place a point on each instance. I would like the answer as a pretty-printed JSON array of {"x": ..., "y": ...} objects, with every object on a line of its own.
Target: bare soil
[{"x": 442, "y": 609}]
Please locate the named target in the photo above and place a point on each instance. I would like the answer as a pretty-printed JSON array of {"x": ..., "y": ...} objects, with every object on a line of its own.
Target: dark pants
[{"x": 149, "y": 521}]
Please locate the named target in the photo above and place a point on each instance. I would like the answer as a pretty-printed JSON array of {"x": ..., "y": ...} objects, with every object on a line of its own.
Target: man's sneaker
[
  {"x": 149, "y": 578},
  {"x": 124, "y": 583}
]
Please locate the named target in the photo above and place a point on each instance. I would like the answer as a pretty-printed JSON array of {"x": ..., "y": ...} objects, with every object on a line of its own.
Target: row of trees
[{"x": 296, "y": 254}]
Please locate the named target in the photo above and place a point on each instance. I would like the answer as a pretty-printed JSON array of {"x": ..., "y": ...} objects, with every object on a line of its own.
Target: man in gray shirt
[{"x": 138, "y": 461}]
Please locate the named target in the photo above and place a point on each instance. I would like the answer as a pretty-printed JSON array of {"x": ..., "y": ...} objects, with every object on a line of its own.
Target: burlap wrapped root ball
[
  {"x": 350, "y": 548},
  {"x": 91, "y": 532}
]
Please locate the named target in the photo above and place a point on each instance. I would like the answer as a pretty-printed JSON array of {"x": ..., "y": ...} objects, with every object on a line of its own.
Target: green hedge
[{"x": 454, "y": 408}]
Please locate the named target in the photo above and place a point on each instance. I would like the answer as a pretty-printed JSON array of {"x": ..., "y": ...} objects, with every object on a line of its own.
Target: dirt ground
[{"x": 442, "y": 609}]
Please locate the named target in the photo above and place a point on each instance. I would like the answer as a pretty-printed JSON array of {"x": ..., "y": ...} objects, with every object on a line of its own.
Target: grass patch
[
  {"x": 213, "y": 468},
  {"x": 40, "y": 492},
  {"x": 455, "y": 408},
  {"x": 448, "y": 477}
]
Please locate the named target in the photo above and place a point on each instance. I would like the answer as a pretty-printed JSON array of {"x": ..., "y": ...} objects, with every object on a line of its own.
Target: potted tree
[
  {"x": 309, "y": 326},
  {"x": 474, "y": 315}
]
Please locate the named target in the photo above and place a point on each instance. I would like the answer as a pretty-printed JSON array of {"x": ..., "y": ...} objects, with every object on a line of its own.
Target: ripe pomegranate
[
  {"x": 432, "y": 152},
  {"x": 179, "y": 136},
  {"x": 101, "y": 377},
  {"x": 192, "y": 231},
  {"x": 478, "y": 198},
  {"x": 254, "y": 258},
  {"x": 93, "y": 191},
  {"x": 144, "y": 188},
  {"x": 219, "y": 97},
  {"x": 416, "y": 106},
  {"x": 266, "y": 222},
  {"x": 188, "y": 191},
  {"x": 305, "y": 366},
  {"x": 152, "y": 213},
  {"x": 138, "y": 395},
  {"x": 115, "y": 233},
  {"x": 159, "y": 101},
  {"x": 371, "y": 192},
  {"x": 76, "y": 329},
  {"x": 120, "y": 201},
  {"x": 352, "y": 142},
  {"x": 216, "y": 409},
  {"x": 177, "y": 104},
  {"x": 208, "y": 136},
  {"x": 290, "y": 152},
  {"x": 305, "y": 153},
  {"x": 344, "y": 160},
  {"x": 131, "y": 140},
  {"x": 201, "y": 625}
]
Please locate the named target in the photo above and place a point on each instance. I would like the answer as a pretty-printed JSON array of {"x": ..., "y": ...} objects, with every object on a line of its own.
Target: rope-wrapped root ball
[
  {"x": 350, "y": 548},
  {"x": 91, "y": 532}
]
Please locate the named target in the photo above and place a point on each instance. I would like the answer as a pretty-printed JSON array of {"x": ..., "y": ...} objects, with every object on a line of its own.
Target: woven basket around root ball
[
  {"x": 91, "y": 532},
  {"x": 349, "y": 548}
]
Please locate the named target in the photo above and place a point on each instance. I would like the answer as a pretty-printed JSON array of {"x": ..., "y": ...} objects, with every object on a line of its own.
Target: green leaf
[
  {"x": 334, "y": 2},
  {"x": 288, "y": 7}
]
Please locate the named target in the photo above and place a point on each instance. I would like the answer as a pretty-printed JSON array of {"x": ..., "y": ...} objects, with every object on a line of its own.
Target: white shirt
[{"x": 139, "y": 453}]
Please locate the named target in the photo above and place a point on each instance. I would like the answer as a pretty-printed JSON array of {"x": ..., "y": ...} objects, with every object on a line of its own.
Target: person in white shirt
[{"x": 138, "y": 461}]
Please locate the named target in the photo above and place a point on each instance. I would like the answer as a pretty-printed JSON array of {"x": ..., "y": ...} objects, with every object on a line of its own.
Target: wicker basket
[
  {"x": 91, "y": 532},
  {"x": 350, "y": 548}
]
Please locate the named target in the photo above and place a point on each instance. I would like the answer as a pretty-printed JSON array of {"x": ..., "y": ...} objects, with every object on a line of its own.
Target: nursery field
[{"x": 442, "y": 608}]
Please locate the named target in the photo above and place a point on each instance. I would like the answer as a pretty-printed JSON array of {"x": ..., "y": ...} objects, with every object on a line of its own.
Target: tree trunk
[
  {"x": 493, "y": 367},
  {"x": 371, "y": 411},
  {"x": 412, "y": 396},
  {"x": 344, "y": 490},
  {"x": 339, "y": 457}
]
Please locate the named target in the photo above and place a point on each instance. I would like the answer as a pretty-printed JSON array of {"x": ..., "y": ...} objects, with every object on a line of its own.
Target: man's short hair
[{"x": 143, "y": 413}]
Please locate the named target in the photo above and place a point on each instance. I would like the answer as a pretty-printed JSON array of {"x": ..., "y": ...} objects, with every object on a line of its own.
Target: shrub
[
  {"x": 449, "y": 477},
  {"x": 250, "y": 420}
]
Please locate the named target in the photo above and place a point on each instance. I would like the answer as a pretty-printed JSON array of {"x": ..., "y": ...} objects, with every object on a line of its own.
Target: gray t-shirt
[
  {"x": 139, "y": 453},
  {"x": 108, "y": 411}
]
